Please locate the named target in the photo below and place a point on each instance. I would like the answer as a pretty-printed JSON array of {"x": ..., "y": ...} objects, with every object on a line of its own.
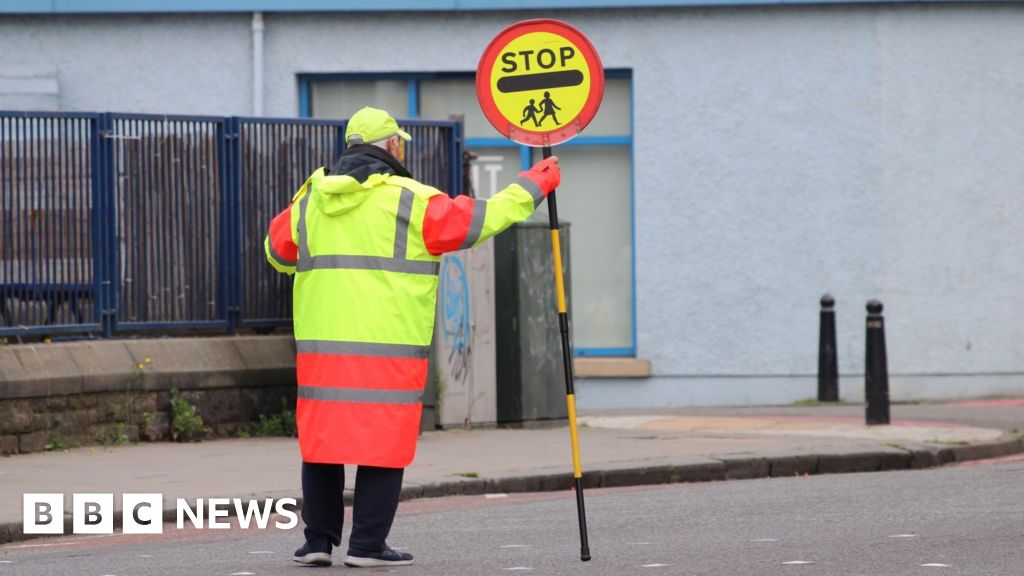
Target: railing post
[
  {"x": 230, "y": 253},
  {"x": 876, "y": 374},
  {"x": 456, "y": 164},
  {"x": 96, "y": 225},
  {"x": 105, "y": 250},
  {"x": 235, "y": 146},
  {"x": 828, "y": 365}
]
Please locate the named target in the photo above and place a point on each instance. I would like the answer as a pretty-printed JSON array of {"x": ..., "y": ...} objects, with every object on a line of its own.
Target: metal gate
[{"x": 120, "y": 223}]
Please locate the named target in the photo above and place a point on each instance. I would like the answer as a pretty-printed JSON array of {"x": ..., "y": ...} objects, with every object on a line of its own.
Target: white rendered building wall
[{"x": 869, "y": 151}]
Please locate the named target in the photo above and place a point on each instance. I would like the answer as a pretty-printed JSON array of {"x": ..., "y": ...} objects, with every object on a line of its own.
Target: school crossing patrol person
[{"x": 364, "y": 241}]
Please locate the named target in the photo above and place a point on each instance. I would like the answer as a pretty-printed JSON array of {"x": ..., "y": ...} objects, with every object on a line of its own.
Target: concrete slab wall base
[{"x": 69, "y": 394}]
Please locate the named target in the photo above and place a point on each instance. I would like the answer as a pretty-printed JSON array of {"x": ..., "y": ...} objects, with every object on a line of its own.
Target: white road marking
[
  {"x": 638, "y": 543},
  {"x": 654, "y": 565},
  {"x": 243, "y": 574},
  {"x": 6, "y": 561},
  {"x": 797, "y": 562},
  {"x": 519, "y": 568},
  {"x": 765, "y": 540},
  {"x": 903, "y": 536},
  {"x": 935, "y": 565},
  {"x": 145, "y": 555},
  {"x": 262, "y": 552},
  {"x": 498, "y": 495},
  {"x": 514, "y": 546}
]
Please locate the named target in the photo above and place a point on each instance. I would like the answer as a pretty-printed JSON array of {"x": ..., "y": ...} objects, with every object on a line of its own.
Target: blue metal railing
[
  {"x": 120, "y": 223},
  {"x": 48, "y": 232},
  {"x": 270, "y": 175},
  {"x": 168, "y": 209}
]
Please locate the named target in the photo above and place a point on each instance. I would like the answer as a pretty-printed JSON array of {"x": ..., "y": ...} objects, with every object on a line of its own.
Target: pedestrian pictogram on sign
[{"x": 540, "y": 82}]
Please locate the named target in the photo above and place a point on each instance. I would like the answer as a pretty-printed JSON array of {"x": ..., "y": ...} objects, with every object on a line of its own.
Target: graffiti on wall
[{"x": 455, "y": 319}]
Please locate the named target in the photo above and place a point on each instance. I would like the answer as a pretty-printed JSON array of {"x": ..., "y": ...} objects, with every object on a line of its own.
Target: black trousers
[{"x": 376, "y": 500}]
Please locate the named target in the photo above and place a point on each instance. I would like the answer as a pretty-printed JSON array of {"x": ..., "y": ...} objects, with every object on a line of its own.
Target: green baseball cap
[{"x": 370, "y": 125}]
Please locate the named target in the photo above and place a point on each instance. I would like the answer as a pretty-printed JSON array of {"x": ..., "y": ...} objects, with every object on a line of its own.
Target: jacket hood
[{"x": 352, "y": 178}]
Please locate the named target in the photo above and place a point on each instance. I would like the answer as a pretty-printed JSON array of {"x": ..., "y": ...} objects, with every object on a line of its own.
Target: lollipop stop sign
[{"x": 540, "y": 82}]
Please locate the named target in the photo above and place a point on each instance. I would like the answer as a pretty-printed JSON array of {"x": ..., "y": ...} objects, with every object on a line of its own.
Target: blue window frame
[{"x": 527, "y": 155}]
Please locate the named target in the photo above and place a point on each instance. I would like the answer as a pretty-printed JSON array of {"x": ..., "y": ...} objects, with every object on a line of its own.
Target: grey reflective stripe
[
  {"x": 277, "y": 257},
  {"x": 476, "y": 225},
  {"x": 304, "y": 254},
  {"x": 362, "y": 349},
  {"x": 383, "y": 263},
  {"x": 360, "y": 395},
  {"x": 396, "y": 263},
  {"x": 533, "y": 189},
  {"x": 402, "y": 223}
]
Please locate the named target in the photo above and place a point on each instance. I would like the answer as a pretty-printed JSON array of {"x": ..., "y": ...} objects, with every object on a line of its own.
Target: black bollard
[
  {"x": 828, "y": 363},
  {"x": 876, "y": 373}
]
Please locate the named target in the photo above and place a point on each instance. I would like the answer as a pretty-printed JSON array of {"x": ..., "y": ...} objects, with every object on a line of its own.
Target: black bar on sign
[{"x": 540, "y": 81}]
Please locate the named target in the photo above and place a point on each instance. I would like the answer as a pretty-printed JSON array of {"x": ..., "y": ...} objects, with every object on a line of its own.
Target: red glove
[{"x": 546, "y": 174}]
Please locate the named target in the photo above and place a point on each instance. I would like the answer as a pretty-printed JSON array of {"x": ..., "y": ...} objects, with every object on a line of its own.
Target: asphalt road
[{"x": 957, "y": 520}]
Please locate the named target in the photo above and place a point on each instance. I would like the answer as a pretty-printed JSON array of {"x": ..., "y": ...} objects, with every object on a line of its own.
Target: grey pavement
[{"x": 618, "y": 449}]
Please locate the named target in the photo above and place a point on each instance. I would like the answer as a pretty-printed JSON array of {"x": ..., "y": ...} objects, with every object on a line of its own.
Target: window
[
  {"x": 596, "y": 196},
  {"x": 343, "y": 99}
]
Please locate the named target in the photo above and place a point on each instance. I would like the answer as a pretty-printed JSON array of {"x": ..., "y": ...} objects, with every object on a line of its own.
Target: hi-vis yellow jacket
[{"x": 366, "y": 254}]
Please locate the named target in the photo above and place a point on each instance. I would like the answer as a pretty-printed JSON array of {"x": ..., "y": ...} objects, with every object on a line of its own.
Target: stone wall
[{"x": 90, "y": 392}]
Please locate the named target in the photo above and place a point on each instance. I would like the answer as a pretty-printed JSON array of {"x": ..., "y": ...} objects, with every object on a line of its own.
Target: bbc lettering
[{"x": 143, "y": 513}]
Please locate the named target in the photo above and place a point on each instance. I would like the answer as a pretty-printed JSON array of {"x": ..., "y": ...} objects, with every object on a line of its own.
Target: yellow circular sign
[{"x": 540, "y": 82}]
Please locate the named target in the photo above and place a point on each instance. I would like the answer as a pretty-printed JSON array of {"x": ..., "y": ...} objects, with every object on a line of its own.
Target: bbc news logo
[{"x": 143, "y": 513}]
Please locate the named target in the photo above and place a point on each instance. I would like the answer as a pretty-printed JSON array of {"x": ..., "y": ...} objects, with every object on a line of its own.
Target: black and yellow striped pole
[{"x": 570, "y": 394}]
